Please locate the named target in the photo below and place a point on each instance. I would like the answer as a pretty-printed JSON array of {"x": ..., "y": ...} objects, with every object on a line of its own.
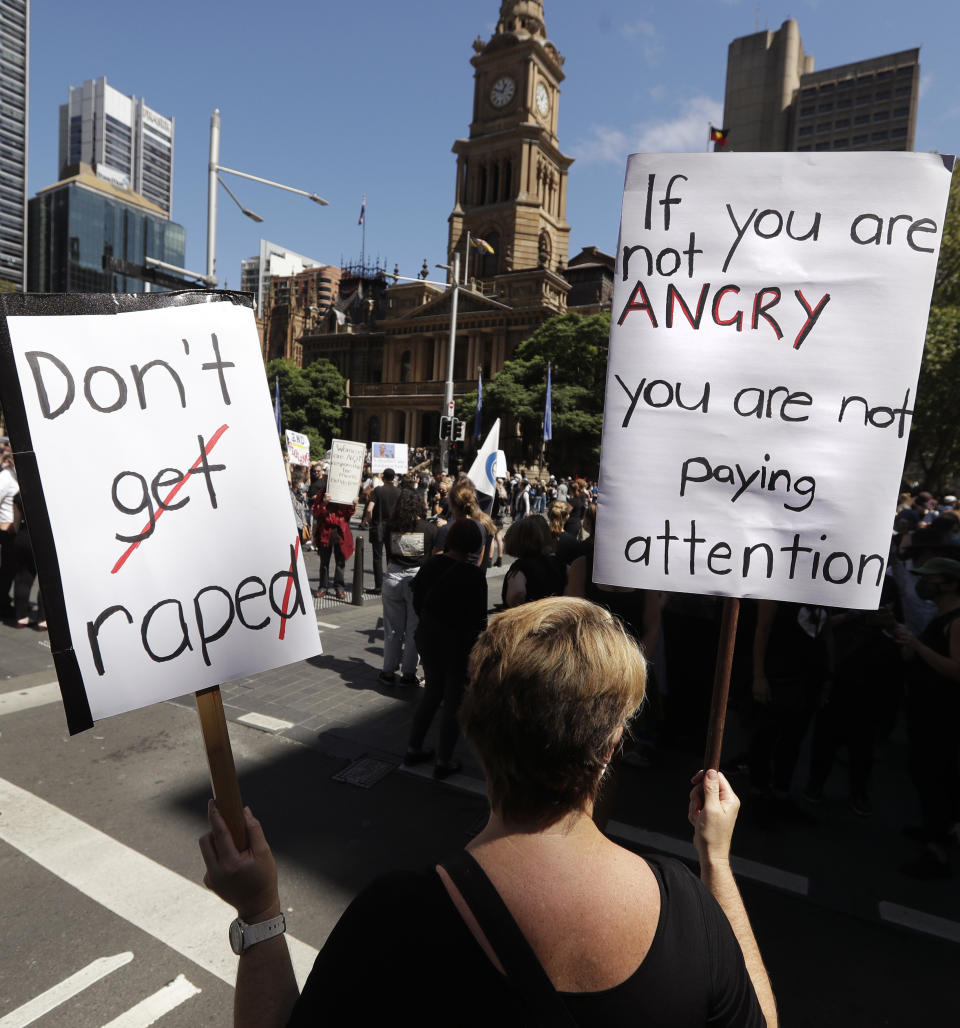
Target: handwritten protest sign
[
  {"x": 389, "y": 455},
  {"x": 298, "y": 449},
  {"x": 346, "y": 471},
  {"x": 168, "y": 553},
  {"x": 767, "y": 330}
]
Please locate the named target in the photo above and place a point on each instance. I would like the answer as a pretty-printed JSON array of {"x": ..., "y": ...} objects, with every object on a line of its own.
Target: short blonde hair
[{"x": 550, "y": 683}]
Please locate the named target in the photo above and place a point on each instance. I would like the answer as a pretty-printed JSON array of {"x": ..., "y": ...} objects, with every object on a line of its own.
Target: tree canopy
[
  {"x": 934, "y": 445},
  {"x": 311, "y": 400},
  {"x": 575, "y": 346}
]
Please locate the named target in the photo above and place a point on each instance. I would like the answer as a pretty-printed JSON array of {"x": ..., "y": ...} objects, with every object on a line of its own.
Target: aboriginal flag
[{"x": 719, "y": 135}]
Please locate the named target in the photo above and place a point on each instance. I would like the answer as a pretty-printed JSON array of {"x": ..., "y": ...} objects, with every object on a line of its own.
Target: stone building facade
[{"x": 510, "y": 191}]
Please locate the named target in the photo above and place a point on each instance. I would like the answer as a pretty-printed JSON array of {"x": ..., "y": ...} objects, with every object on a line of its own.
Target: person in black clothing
[
  {"x": 536, "y": 572},
  {"x": 933, "y": 714},
  {"x": 542, "y": 920},
  {"x": 25, "y": 575},
  {"x": 378, "y": 512},
  {"x": 450, "y": 599}
]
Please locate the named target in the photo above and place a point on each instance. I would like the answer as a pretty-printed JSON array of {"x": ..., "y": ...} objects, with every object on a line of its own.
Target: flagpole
[
  {"x": 709, "y": 134},
  {"x": 363, "y": 234},
  {"x": 466, "y": 259}
]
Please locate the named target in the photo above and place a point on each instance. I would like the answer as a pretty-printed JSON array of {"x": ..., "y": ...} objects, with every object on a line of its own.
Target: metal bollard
[{"x": 358, "y": 573}]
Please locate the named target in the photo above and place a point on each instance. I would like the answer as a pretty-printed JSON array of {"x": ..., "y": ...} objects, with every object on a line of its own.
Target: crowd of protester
[{"x": 843, "y": 678}]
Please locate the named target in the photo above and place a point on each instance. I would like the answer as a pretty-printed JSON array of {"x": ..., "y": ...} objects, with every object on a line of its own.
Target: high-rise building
[
  {"x": 88, "y": 235},
  {"x": 775, "y": 100},
  {"x": 121, "y": 138},
  {"x": 273, "y": 261},
  {"x": 14, "y": 110}
]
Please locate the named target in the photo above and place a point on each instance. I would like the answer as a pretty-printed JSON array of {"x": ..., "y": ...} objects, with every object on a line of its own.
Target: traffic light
[
  {"x": 446, "y": 427},
  {"x": 459, "y": 431}
]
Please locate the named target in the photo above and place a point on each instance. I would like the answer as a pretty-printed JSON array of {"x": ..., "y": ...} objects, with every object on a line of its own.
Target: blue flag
[
  {"x": 547, "y": 414},
  {"x": 476, "y": 420},
  {"x": 276, "y": 402}
]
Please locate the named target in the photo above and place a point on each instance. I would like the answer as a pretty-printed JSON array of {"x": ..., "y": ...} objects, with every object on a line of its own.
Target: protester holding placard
[
  {"x": 333, "y": 538},
  {"x": 542, "y": 920},
  {"x": 9, "y": 488}
]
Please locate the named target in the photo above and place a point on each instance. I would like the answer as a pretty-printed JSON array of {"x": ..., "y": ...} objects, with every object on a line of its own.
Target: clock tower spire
[{"x": 511, "y": 188}]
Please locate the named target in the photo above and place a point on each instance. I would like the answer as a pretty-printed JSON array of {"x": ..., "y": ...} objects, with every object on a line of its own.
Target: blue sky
[{"x": 347, "y": 99}]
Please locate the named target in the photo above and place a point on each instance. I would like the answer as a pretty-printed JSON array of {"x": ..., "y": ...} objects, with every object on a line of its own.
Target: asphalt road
[{"x": 98, "y": 860}]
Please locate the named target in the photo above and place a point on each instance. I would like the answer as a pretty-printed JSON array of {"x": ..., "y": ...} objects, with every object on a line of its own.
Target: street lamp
[{"x": 215, "y": 168}]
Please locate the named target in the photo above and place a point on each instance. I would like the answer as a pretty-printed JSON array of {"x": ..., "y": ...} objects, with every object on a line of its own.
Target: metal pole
[
  {"x": 212, "y": 196},
  {"x": 448, "y": 390}
]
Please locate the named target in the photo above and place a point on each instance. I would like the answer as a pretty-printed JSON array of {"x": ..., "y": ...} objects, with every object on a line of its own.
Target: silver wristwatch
[{"x": 243, "y": 935}]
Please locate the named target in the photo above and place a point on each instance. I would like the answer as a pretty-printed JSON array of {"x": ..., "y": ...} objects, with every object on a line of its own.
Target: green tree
[
  {"x": 311, "y": 400},
  {"x": 575, "y": 346},
  {"x": 934, "y": 446}
]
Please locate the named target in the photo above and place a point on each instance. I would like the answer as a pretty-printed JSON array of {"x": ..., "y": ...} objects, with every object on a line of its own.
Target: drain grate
[{"x": 364, "y": 772}]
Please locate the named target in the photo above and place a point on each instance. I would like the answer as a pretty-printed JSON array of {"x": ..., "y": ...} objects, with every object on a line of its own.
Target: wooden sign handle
[
  {"x": 721, "y": 682},
  {"x": 223, "y": 774}
]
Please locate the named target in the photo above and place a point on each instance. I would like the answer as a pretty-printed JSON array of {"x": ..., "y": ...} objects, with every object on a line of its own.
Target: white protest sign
[
  {"x": 173, "y": 539},
  {"x": 389, "y": 455},
  {"x": 298, "y": 449},
  {"x": 346, "y": 471},
  {"x": 767, "y": 330}
]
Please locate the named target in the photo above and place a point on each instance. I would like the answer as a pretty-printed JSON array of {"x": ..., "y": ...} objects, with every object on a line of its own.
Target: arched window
[
  {"x": 494, "y": 182},
  {"x": 405, "y": 362},
  {"x": 481, "y": 198},
  {"x": 373, "y": 429},
  {"x": 507, "y": 174}
]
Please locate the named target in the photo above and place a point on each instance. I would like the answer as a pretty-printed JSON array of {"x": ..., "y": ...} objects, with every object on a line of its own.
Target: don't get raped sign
[{"x": 156, "y": 495}]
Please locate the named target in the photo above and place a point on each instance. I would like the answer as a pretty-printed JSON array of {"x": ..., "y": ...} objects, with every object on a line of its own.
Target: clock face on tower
[
  {"x": 502, "y": 92},
  {"x": 542, "y": 100}
]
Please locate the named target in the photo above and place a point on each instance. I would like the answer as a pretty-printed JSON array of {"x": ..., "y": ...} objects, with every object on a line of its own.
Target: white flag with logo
[{"x": 485, "y": 468}]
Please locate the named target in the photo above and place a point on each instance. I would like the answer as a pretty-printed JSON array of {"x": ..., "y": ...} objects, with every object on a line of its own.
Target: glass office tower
[{"x": 14, "y": 110}]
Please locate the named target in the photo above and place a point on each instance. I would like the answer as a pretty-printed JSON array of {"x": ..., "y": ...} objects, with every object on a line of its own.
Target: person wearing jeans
[{"x": 409, "y": 539}]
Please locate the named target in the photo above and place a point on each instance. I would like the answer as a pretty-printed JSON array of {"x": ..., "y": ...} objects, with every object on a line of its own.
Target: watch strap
[{"x": 251, "y": 934}]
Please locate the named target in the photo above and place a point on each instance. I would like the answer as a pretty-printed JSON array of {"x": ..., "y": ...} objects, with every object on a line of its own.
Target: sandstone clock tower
[{"x": 511, "y": 187}]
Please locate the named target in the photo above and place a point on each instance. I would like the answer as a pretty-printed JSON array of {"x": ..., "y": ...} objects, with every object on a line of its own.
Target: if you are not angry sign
[
  {"x": 157, "y": 497},
  {"x": 768, "y": 320}
]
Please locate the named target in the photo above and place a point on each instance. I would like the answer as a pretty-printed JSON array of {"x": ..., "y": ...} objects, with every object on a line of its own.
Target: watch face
[
  {"x": 502, "y": 92},
  {"x": 543, "y": 99},
  {"x": 236, "y": 937}
]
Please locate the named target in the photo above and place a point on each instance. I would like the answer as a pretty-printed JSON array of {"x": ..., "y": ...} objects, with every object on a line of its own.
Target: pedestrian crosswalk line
[
  {"x": 148, "y": 1011},
  {"x": 919, "y": 921},
  {"x": 25, "y": 699},
  {"x": 62, "y": 991},
  {"x": 180, "y": 913}
]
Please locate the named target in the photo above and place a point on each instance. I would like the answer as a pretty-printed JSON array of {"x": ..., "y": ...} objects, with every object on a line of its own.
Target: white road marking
[
  {"x": 180, "y": 913},
  {"x": 326, "y": 624},
  {"x": 67, "y": 989},
  {"x": 787, "y": 880},
  {"x": 263, "y": 721},
  {"x": 919, "y": 921},
  {"x": 148, "y": 1011},
  {"x": 25, "y": 699}
]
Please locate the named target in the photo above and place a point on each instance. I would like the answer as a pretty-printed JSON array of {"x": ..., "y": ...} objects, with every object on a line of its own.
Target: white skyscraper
[
  {"x": 14, "y": 50},
  {"x": 123, "y": 140}
]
